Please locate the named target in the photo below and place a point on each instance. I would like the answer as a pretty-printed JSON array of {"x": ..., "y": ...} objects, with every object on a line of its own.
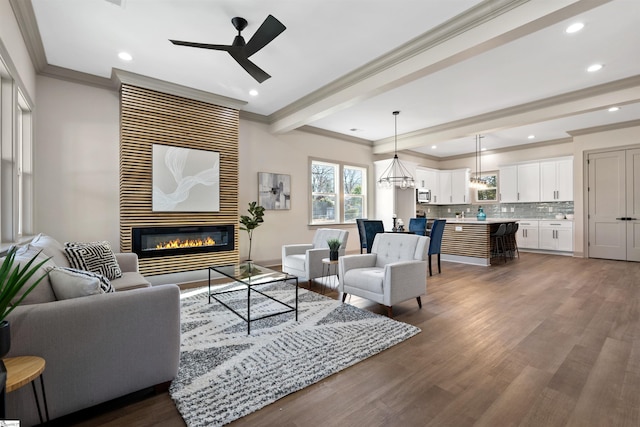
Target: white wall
[
  {"x": 76, "y": 162},
  {"x": 260, "y": 151}
]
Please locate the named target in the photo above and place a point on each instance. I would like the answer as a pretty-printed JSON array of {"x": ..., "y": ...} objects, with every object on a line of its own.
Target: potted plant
[
  {"x": 13, "y": 277},
  {"x": 252, "y": 221},
  {"x": 334, "y": 246}
]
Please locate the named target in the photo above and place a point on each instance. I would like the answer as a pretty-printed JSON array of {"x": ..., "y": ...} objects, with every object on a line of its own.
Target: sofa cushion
[
  {"x": 130, "y": 280},
  {"x": 96, "y": 257},
  {"x": 43, "y": 292},
  {"x": 72, "y": 283},
  {"x": 368, "y": 279},
  {"x": 296, "y": 262},
  {"x": 51, "y": 248}
]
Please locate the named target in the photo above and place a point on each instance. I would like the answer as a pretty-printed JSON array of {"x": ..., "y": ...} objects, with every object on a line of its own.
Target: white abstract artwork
[{"x": 185, "y": 180}]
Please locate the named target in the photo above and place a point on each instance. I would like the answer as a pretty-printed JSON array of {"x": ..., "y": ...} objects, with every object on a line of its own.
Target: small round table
[
  {"x": 23, "y": 370},
  {"x": 327, "y": 276}
]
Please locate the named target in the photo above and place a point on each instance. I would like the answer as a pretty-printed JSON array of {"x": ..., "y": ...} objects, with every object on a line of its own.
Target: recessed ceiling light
[
  {"x": 595, "y": 67},
  {"x": 612, "y": 109},
  {"x": 355, "y": 130},
  {"x": 253, "y": 92},
  {"x": 531, "y": 137},
  {"x": 483, "y": 149},
  {"x": 433, "y": 147},
  {"x": 574, "y": 28},
  {"x": 125, "y": 56}
]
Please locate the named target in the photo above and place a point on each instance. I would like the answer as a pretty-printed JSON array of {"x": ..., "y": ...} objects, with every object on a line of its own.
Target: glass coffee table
[{"x": 250, "y": 278}]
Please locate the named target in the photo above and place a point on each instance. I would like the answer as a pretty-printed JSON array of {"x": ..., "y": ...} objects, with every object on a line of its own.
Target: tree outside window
[
  {"x": 489, "y": 194},
  {"x": 338, "y": 192}
]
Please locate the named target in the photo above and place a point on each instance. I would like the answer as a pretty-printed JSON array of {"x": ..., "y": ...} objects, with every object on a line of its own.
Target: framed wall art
[
  {"x": 274, "y": 190},
  {"x": 185, "y": 179}
]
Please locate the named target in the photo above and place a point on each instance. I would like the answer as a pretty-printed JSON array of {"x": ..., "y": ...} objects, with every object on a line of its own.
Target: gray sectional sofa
[{"x": 97, "y": 347}]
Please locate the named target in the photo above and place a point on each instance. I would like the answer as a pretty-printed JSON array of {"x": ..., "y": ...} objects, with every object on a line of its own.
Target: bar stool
[
  {"x": 498, "y": 244},
  {"x": 508, "y": 234},
  {"x": 514, "y": 241}
]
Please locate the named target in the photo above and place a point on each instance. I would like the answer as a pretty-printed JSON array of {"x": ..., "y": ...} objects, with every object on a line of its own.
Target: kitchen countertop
[{"x": 499, "y": 220}]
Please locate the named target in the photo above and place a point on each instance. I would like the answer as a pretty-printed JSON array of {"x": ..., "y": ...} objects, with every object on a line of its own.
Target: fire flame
[{"x": 188, "y": 243}]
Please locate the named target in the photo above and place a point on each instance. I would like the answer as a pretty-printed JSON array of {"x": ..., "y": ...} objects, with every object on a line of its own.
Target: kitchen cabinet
[
  {"x": 520, "y": 183},
  {"x": 454, "y": 187},
  {"x": 556, "y": 235},
  {"x": 447, "y": 186},
  {"x": 527, "y": 235},
  {"x": 556, "y": 180}
]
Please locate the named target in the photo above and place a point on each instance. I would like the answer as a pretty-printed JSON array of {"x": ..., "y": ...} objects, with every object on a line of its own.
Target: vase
[
  {"x": 5, "y": 338},
  {"x": 481, "y": 215},
  {"x": 333, "y": 255}
]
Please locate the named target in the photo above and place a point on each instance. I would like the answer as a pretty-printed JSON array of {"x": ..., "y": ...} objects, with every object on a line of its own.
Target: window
[
  {"x": 338, "y": 192},
  {"x": 489, "y": 194},
  {"x": 16, "y": 172}
]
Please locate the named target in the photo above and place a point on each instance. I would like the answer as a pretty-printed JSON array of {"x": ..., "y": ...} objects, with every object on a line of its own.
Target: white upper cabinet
[
  {"x": 529, "y": 182},
  {"x": 447, "y": 186},
  {"x": 460, "y": 186},
  {"x": 545, "y": 181},
  {"x": 508, "y": 184},
  {"x": 520, "y": 183},
  {"x": 556, "y": 180}
]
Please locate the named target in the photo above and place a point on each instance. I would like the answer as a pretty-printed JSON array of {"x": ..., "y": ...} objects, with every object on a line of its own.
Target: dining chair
[
  {"x": 418, "y": 226},
  {"x": 371, "y": 228},
  {"x": 362, "y": 233},
  {"x": 435, "y": 245}
]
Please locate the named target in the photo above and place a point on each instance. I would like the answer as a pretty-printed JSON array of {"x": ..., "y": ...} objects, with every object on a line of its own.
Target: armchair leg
[
  {"x": 419, "y": 302},
  {"x": 389, "y": 312}
]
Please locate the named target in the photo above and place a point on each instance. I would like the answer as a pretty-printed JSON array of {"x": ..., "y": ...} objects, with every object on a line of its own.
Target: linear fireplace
[{"x": 150, "y": 242}]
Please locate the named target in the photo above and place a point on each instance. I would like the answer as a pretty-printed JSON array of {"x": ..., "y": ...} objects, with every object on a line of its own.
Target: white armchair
[
  {"x": 394, "y": 271},
  {"x": 305, "y": 260}
]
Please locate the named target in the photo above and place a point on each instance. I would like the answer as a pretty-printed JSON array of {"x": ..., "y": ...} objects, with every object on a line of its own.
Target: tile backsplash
[{"x": 539, "y": 210}]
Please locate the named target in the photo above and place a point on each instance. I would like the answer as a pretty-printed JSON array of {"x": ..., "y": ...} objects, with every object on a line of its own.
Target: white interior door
[
  {"x": 633, "y": 204},
  {"x": 607, "y": 182}
]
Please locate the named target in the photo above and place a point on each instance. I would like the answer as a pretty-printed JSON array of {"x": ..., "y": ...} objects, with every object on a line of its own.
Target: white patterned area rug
[{"x": 226, "y": 374}]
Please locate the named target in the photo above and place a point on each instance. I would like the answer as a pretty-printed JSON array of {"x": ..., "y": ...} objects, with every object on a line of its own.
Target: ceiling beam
[{"x": 483, "y": 28}]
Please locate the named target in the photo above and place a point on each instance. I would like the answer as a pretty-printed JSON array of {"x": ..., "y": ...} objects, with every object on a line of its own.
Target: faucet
[{"x": 462, "y": 214}]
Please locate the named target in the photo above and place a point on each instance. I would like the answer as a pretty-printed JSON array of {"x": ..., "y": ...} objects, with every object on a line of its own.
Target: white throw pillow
[{"x": 72, "y": 283}]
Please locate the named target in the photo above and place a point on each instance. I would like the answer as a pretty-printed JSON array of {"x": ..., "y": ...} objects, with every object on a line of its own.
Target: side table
[
  {"x": 23, "y": 370},
  {"x": 328, "y": 266}
]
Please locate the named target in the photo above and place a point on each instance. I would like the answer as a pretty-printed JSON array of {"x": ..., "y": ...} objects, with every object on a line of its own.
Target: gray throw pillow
[{"x": 72, "y": 283}]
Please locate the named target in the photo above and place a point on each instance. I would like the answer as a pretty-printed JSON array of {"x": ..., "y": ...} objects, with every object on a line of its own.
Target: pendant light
[
  {"x": 476, "y": 181},
  {"x": 396, "y": 173}
]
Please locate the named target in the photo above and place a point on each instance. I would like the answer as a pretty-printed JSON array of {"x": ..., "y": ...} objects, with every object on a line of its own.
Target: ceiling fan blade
[
  {"x": 251, "y": 68},
  {"x": 203, "y": 45},
  {"x": 269, "y": 30}
]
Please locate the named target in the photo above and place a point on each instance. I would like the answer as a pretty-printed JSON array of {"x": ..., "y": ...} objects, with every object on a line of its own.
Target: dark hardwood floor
[{"x": 541, "y": 341}]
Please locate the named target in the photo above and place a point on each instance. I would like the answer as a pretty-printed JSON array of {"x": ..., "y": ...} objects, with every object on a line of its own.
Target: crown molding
[
  {"x": 26, "y": 19},
  {"x": 120, "y": 77},
  {"x": 77, "y": 77},
  {"x": 335, "y": 135},
  {"x": 254, "y": 117},
  {"x": 604, "y": 128}
]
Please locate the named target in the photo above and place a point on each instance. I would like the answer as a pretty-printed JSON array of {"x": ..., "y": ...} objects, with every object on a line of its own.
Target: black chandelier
[{"x": 396, "y": 173}]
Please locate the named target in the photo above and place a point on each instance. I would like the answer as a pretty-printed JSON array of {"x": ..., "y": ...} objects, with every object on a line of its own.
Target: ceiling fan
[{"x": 241, "y": 51}]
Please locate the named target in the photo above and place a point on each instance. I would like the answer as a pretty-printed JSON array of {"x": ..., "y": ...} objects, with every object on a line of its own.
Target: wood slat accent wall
[
  {"x": 472, "y": 241},
  {"x": 148, "y": 117}
]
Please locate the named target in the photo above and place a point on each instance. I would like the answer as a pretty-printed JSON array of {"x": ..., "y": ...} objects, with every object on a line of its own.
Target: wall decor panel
[{"x": 148, "y": 117}]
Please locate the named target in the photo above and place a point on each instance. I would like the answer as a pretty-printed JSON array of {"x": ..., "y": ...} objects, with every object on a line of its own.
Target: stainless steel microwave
[{"x": 423, "y": 195}]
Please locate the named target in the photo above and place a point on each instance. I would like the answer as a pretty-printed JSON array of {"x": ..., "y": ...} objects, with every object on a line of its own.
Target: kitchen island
[{"x": 468, "y": 241}]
